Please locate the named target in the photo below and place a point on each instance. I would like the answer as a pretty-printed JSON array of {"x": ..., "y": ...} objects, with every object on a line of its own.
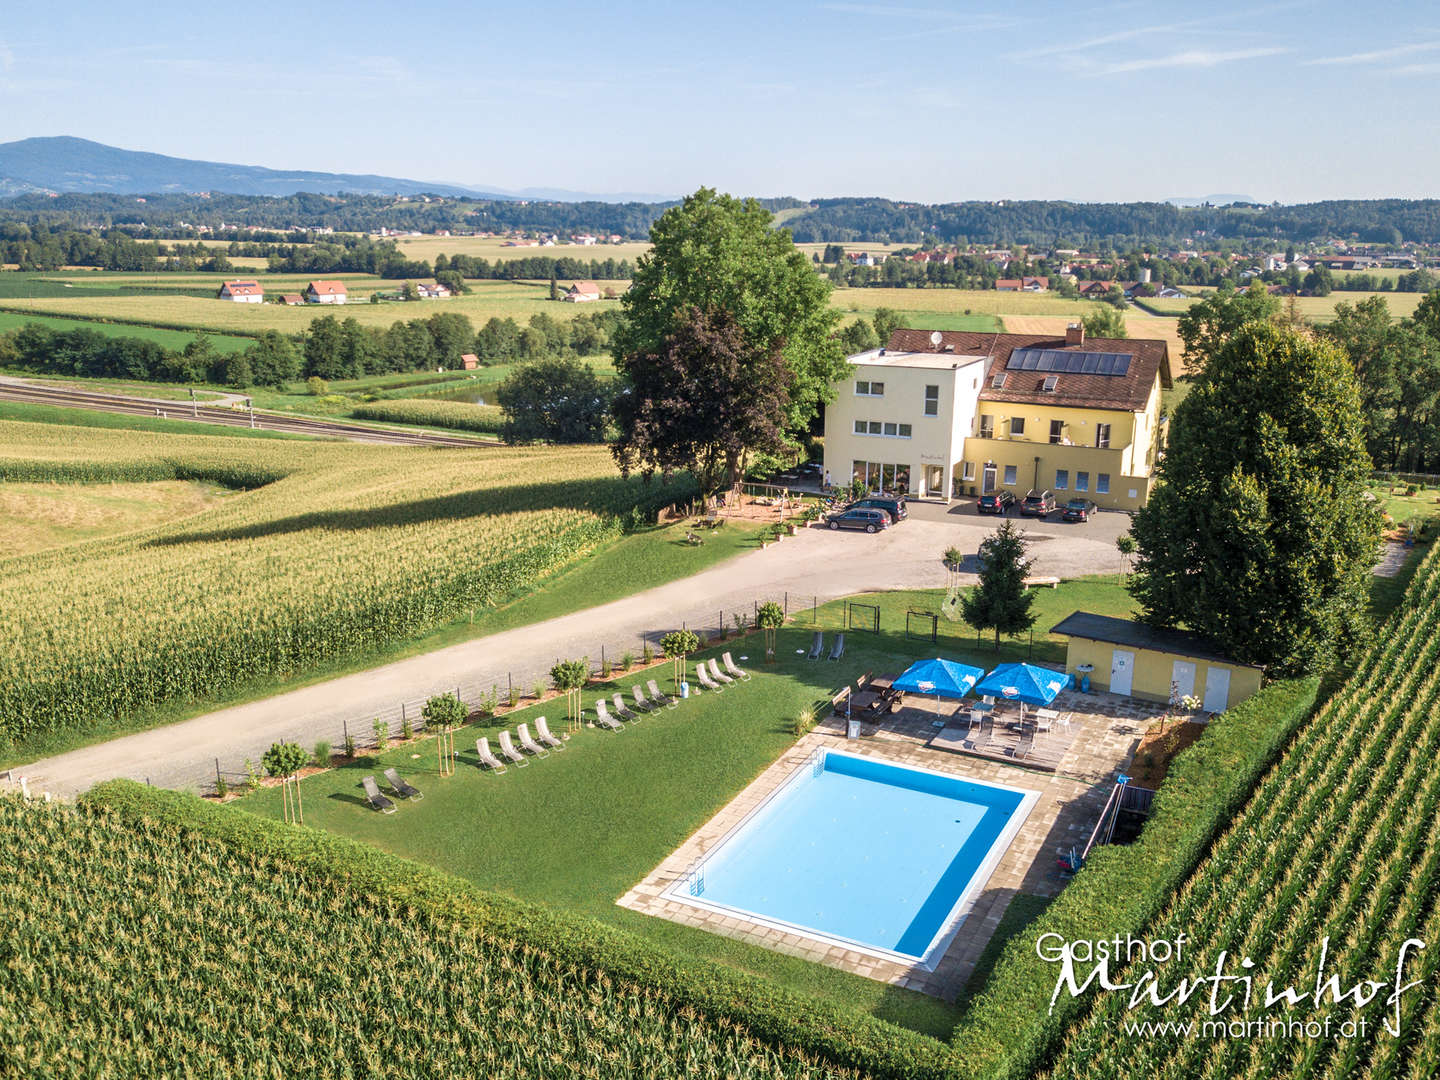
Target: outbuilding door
[
  {"x": 1122, "y": 671},
  {"x": 1182, "y": 680},
  {"x": 1217, "y": 689}
]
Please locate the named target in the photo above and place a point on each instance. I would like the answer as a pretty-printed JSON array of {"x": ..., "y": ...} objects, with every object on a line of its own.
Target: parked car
[
  {"x": 867, "y": 518},
  {"x": 895, "y": 507},
  {"x": 997, "y": 502},
  {"x": 1037, "y": 504},
  {"x": 1079, "y": 510}
]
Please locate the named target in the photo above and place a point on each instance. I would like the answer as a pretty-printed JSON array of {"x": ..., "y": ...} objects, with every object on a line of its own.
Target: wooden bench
[{"x": 1035, "y": 582}]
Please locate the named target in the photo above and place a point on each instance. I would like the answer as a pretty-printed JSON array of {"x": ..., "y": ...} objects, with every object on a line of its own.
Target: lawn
[
  {"x": 170, "y": 339},
  {"x": 578, "y": 829}
]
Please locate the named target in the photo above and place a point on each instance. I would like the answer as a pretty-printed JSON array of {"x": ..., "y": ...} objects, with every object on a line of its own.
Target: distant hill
[{"x": 1212, "y": 200}]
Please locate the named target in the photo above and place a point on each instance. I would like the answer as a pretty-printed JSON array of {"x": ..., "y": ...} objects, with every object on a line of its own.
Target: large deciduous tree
[
  {"x": 718, "y": 253},
  {"x": 704, "y": 399},
  {"x": 1257, "y": 534},
  {"x": 557, "y": 400},
  {"x": 1207, "y": 325}
]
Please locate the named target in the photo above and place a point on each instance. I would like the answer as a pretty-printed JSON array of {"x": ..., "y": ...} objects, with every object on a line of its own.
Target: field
[
  {"x": 1317, "y": 308},
  {"x": 329, "y": 554},
  {"x": 1336, "y": 855},
  {"x": 442, "y": 414},
  {"x": 37, "y": 516},
  {"x": 494, "y": 249},
  {"x": 170, "y": 339},
  {"x": 236, "y": 963}
]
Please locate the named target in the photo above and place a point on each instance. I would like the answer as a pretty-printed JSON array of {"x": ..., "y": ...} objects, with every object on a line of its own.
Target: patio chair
[
  {"x": 400, "y": 787},
  {"x": 542, "y": 730},
  {"x": 735, "y": 671},
  {"x": 623, "y": 711},
  {"x": 377, "y": 800},
  {"x": 529, "y": 745},
  {"x": 487, "y": 758},
  {"x": 838, "y": 650},
  {"x": 604, "y": 719},
  {"x": 511, "y": 754},
  {"x": 718, "y": 675},
  {"x": 817, "y": 645},
  {"x": 656, "y": 695},
  {"x": 1026, "y": 741},
  {"x": 642, "y": 703},
  {"x": 703, "y": 677}
]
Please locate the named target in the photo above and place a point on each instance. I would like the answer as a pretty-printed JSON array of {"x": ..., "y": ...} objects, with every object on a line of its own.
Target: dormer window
[
  {"x": 1050, "y": 382},
  {"x": 997, "y": 382}
]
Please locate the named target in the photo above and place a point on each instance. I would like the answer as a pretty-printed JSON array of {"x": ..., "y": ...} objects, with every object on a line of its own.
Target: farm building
[
  {"x": 242, "y": 292},
  {"x": 292, "y": 298},
  {"x": 1154, "y": 664},
  {"x": 469, "y": 361},
  {"x": 326, "y": 292},
  {"x": 1023, "y": 284},
  {"x": 431, "y": 290},
  {"x": 582, "y": 292}
]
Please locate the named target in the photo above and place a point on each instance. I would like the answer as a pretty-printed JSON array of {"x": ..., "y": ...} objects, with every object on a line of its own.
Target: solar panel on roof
[{"x": 1086, "y": 363}]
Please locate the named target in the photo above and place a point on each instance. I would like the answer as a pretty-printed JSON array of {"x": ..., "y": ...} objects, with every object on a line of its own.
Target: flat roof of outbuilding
[{"x": 1138, "y": 635}]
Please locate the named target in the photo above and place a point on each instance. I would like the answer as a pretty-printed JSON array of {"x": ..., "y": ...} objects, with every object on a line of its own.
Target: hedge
[
  {"x": 1007, "y": 1032},
  {"x": 771, "y": 1013}
]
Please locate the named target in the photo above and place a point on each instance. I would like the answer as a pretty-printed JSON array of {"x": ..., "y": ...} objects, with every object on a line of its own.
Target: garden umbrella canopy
[
  {"x": 943, "y": 678},
  {"x": 1024, "y": 682}
]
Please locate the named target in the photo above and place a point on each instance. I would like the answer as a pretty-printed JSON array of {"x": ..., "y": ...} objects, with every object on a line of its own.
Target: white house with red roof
[
  {"x": 242, "y": 292},
  {"x": 582, "y": 292},
  {"x": 326, "y": 292}
]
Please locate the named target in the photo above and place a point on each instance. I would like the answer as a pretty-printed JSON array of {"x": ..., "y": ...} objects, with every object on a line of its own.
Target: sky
[{"x": 933, "y": 102}]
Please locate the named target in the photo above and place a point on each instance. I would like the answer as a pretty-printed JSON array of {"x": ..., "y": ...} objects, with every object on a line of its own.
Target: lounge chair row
[
  {"x": 817, "y": 646},
  {"x": 538, "y": 746},
  {"x": 378, "y": 800},
  {"x": 712, "y": 678}
]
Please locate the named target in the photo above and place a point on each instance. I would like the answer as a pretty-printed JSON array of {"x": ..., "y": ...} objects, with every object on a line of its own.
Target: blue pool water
[{"x": 859, "y": 849}]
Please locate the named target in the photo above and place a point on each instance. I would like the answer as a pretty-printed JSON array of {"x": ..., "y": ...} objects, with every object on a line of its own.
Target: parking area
[{"x": 1103, "y": 528}]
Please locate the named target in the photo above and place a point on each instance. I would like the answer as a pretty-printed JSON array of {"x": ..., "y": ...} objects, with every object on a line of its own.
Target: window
[
  {"x": 968, "y": 471},
  {"x": 1102, "y": 483},
  {"x": 1010, "y": 474},
  {"x": 987, "y": 427},
  {"x": 1102, "y": 435},
  {"x": 891, "y": 428},
  {"x": 1057, "y": 430},
  {"x": 1082, "y": 481},
  {"x": 932, "y": 401},
  {"x": 1062, "y": 479},
  {"x": 869, "y": 389},
  {"x": 1017, "y": 426},
  {"x": 860, "y": 427},
  {"x": 997, "y": 382},
  {"x": 905, "y": 431},
  {"x": 1050, "y": 383},
  {"x": 875, "y": 427}
]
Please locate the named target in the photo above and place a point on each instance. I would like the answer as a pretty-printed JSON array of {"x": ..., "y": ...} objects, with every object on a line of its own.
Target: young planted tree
[
  {"x": 677, "y": 645},
  {"x": 770, "y": 618},
  {"x": 444, "y": 713},
  {"x": 1000, "y": 602},
  {"x": 570, "y": 676},
  {"x": 285, "y": 760},
  {"x": 1257, "y": 534}
]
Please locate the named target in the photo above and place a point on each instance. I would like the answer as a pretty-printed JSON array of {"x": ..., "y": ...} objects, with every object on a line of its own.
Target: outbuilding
[{"x": 1127, "y": 657}]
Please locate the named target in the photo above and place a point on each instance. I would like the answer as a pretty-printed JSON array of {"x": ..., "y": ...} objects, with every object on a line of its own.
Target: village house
[
  {"x": 432, "y": 290},
  {"x": 955, "y": 414},
  {"x": 242, "y": 292},
  {"x": 582, "y": 292},
  {"x": 1023, "y": 284},
  {"x": 325, "y": 292},
  {"x": 291, "y": 299},
  {"x": 862, "y": 258}
]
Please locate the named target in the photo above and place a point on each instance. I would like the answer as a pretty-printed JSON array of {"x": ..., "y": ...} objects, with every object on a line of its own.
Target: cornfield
[
  {"x": 1341, "y": 839},
  {"x": 334, "y": 550},
  {"x": 447, "y": 414},
  {"x": 149, "y": 950}
]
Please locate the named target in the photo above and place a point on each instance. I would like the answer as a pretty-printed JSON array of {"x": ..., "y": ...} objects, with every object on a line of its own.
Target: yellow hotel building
[{"x": 954, "y": 414}]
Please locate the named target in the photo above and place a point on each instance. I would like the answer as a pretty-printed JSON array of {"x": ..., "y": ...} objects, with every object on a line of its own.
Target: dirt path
[{"x": 817, "y": 564}]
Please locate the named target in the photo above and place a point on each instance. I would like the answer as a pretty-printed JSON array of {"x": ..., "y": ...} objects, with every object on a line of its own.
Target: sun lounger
[
  {"x": 817, "y": 645},
  {"x": 735, "y": 671},
  {"x": 529, "y": 745},
  {"x": 377, "y": 801},
  {"x": 656, "y": 695},
  {"x": 703, "y": 678},
  {"x": 400, "y": 787},
  {"x": 1026, "y": 742},
  {"x": 642, "y": 703},
  {"x": 508, "y": 749},
  {"x": 622, "y": 710},
  {"x": 487, "y": 757},
  {"x": 542, "y": 731},
  {"x": 604, "y": 719},
  {"x": 718, "y": 675},
  {"x": 839, "y": 648}
]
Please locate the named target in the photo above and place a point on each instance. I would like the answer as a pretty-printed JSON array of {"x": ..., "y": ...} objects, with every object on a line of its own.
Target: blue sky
[{"x": 913, "y": 99}]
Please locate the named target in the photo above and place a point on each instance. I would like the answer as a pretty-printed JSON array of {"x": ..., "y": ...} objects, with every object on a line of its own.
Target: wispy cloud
[
  {"x": 1417, "y": 69},
  {"x": 1377, "y": 54},
  {"x": 1189, "y": 58}
]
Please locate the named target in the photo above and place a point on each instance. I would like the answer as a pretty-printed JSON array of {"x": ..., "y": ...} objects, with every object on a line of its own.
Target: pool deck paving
[{"x": 1106, "y": 730}]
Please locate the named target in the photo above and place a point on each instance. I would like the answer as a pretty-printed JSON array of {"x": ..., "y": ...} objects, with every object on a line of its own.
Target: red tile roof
[
  {"x": 328, "y": 288},
  {"x": 1129, "y": 392},
  {"x": 243, "y": 288}
]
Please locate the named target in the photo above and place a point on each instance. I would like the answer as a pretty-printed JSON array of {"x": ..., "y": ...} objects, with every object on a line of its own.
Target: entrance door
[
  {"x": 1217, "y": 689},
  {"x": 1122, "y": 671},
  {"x": 1182, "y": 680},
  {"x": 934, "y": 481},
  {"x": 988, "y": 480}
]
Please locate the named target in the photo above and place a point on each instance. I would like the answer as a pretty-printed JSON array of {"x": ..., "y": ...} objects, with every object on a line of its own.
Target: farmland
[
  {"x": 336, "y": 553},
  {"x": 494, "y": 249},
  {"x": 170, "y": 339},
  {"x": 1316, "y": 308},
  {"x": 241, "y": 963},
  {"x": 36, "y": 516}
]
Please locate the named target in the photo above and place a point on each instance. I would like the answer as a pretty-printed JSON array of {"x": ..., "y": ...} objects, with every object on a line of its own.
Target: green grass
[
  {"x": 580, "y": 828},
  {"x": 55, "y": 414},
  {"x": 1022, "y": 910},
  {"x": 170, "y": 339}
]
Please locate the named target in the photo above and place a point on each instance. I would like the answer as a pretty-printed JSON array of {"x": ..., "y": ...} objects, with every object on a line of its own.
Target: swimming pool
[{"x": 860, "y": 852}]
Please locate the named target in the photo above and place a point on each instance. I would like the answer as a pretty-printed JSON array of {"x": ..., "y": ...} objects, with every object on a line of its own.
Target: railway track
[{"x": 209, "y": 414}]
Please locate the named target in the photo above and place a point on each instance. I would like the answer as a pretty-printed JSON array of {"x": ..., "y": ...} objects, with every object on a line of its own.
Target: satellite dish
[{"x": 935, "y": 338}]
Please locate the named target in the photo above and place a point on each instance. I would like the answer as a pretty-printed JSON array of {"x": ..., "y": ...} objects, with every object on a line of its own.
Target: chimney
[{"x": 1075, "y": 334}]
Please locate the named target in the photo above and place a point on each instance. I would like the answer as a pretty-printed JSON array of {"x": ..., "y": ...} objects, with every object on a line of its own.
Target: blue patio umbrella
[
  {"x": 1024, "y": 682},
  {"x": 943, "y": 678}
]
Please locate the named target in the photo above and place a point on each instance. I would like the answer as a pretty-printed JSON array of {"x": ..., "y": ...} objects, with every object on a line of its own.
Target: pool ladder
[
  {"x": 817, "y": 762},
  {"x": 695, "y": 880}
]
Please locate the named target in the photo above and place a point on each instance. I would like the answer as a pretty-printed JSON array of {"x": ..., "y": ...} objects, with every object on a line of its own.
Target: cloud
[
  {"x": 1189, "y": 58},
  {"x": 1417, "y": 69},
  {"x": 1377, "y": 54}
]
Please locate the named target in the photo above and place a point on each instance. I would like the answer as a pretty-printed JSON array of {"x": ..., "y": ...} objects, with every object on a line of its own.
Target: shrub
[
  {"x": 283, "y": 759},
  {"x": 322, "y": 753},
  {"x": 538, "y": 690},
  {"x": 954, "y": 557},
  {"x": 382, "y": 734},
  {"x": 679, "y": 643},
  {"x": 221, "y": 787},
  {"x": 649, "y": 654},
  {"x": 626, "y": 661},
  {"x": 489, "y": 702},
  {"x": 770, "y": 615},
  {"x": 445, "y": 711},
  {"x": 349, "y": 745},
  {"x": 317, "y": 386},
  {"x": 570, "y": 674},
  {"x": 804, "y": 721},
  {"x": 407, "y": 729},
  {"x": 252, "y": 775}
]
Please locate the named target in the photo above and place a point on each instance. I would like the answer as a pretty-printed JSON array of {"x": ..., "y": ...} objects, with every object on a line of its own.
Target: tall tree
[
  {"x": 886, "y": 321},
  {"x": 1207, "y": 325},
  {"x": 1257, "y": 534},
  {"x": 718, "y": 253},
  {"x": 1105, "y": 322},
  {"x": 705, "y": 400},
  {"x": 556, "y": 400},
  {"x": 1000, "y": 602}
]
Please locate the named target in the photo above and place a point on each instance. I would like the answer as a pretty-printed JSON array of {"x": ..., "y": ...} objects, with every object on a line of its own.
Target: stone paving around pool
[{"x": 1107, "y": 731}]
